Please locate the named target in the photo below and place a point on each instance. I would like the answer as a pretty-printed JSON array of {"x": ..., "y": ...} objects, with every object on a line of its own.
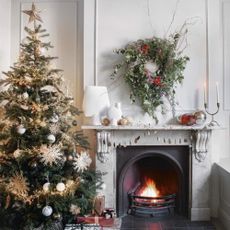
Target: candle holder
[{"x": 213, "y": 122}]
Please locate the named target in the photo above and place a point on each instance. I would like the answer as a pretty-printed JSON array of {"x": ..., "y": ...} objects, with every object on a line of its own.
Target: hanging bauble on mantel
[
  {"x": 51, "y": 138},
  {"x": 47, "y": 211},
  {"x": 200, "y": 117},
  {"x": 21, "y": 129}
]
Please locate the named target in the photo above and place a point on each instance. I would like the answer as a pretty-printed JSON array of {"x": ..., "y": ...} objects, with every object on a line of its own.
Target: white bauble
[
  {"x": 54, "y": 118},
  {"x": 47, "y": 211},
  {"x": 60, "y": 187},
  {"x": 51, "y": 138},
  {"x": 46, "y": 187},
  {"x": 25, "y": 95},
  {"x": 21, "y": 129}
]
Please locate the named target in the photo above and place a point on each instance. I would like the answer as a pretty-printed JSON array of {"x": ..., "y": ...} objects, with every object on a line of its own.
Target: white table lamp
[{"x": 95, "y": 103}]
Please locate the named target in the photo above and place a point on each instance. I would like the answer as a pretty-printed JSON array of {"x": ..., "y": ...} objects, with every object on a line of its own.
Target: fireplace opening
[{"x": 152, "y": 180}]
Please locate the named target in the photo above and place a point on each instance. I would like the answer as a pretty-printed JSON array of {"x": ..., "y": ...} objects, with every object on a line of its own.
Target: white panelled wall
[
  {"x": 119, "y": 22},
  {"x": 85, "y": 33},
  {"x": 5, "y": 29}
]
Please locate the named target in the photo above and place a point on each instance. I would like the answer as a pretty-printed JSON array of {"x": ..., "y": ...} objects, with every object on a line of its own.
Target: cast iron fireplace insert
[{"x": 168, "y": 167}]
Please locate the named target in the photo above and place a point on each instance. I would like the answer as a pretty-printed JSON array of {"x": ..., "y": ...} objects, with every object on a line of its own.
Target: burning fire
[{"x": 149, "y": 189}]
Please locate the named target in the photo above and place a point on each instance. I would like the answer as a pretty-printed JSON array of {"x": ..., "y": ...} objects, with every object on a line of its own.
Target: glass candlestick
[{"x": 213, "y": 122}]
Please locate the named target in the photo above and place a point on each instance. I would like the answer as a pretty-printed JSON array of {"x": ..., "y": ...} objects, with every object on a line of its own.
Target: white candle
[
  {"x": 217, "y": 92},
  {"x": 205, "y": 93}
]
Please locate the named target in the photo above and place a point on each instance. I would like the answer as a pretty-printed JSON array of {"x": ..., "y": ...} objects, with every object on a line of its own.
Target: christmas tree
[{"x": 44, "y": 163}]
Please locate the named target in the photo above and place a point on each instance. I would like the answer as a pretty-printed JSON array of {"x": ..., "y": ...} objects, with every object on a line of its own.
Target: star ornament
[{"x": 33, "y": 13}]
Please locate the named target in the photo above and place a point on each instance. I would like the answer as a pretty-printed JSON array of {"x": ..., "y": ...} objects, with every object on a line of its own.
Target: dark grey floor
[{"x": 168, "y": 223}]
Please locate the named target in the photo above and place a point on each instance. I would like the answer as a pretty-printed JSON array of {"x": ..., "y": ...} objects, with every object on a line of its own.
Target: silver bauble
[
  {"x": 47, "y": 211},
  {"x": 51, "y": 138},
  {"x": 54, "y": 118},
  {"x": 200, "y": 117}
]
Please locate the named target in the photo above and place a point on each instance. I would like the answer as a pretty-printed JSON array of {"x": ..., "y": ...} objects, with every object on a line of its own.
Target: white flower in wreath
[
  {"x": 82, "y": 161},
  {"x": 151, "y": 67}
]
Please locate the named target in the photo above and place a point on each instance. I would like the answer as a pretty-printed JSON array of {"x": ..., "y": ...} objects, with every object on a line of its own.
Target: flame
[{"x": 149, "y": 189}]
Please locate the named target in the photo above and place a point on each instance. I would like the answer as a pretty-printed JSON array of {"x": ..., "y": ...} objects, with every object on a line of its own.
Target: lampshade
[{"x": 95, "y": 101}]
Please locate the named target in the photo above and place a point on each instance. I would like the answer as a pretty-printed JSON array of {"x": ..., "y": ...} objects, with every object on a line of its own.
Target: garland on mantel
[{"x": 152, "y": 68}]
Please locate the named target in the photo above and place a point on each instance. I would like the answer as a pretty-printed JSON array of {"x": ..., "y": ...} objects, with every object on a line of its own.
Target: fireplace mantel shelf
[
  {"x": 149, "y": 127},
  {"x": 108, "y": 137}
]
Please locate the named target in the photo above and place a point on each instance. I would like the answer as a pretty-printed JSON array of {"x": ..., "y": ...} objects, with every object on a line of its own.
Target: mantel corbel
[{"x": 201, "y": 144}]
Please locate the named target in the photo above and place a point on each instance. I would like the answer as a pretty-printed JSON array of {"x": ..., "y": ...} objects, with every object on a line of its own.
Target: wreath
[{"x": 152, "y": 68}]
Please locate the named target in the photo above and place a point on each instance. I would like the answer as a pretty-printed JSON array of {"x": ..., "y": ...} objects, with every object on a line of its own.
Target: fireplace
[
  {"x": 124, "y": 153},
  {"x": 163, "y": 168}
]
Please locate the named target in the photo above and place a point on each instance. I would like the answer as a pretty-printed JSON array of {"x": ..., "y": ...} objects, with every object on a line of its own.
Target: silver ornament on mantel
[
  {"x": 47, "y": 210},
  {"x": 200, "y": 117},
  {"x": 51, "y": 138}
]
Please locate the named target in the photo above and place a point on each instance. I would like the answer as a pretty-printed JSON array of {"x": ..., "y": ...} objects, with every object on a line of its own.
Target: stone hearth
[{"x": 196, "y": 139}]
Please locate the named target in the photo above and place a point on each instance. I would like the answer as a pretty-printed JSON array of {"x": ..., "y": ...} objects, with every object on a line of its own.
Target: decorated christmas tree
[{"x": 44, "y": 163}]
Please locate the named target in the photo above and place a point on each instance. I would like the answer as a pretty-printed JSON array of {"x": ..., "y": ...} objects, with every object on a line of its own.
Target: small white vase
[{"x": 115, "y": 113}]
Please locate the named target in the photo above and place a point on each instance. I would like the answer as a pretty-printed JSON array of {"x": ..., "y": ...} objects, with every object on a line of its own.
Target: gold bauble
[
  {"x": 122, "y": 121},
  {"x": 105, "y": 121}
]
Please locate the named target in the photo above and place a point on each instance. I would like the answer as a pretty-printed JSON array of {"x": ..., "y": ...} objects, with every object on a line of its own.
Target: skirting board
[
  {"x": 200, "y": 214},
  {"x": 224, "y": 218}
]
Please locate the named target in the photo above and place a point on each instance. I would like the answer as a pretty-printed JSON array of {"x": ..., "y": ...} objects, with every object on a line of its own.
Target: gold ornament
[
  {"x": 18, "y": 186},
  {"x": 74, "y": 209},
  {"x": 122, "y": 121},
  {"x": 71, "y": 186},
  {"x": 130, "y": 120},
  {"x": 35, "y": 107},
  {"x": 17, "y": 153},
  {"x": 33, "y": 13},
  {"x": 105, "y": 121}
]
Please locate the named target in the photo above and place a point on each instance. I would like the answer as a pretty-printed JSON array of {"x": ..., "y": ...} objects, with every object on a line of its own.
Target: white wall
[
  {"x": 122, "y": 21},
  {"x": 5, "y": 22}
]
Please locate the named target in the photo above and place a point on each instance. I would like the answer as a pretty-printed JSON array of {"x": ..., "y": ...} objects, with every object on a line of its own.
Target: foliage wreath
[{"x": 152, "y": 68}]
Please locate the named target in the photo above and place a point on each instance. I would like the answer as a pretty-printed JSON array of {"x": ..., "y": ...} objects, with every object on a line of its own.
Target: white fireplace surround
[{"x": 197, "y": 138}]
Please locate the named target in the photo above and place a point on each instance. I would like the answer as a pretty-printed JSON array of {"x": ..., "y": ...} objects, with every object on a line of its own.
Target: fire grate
[{"x": 153, "y": 206}]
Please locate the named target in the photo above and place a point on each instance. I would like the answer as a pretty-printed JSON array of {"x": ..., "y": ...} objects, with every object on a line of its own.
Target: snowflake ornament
[
  {"x": 74, "y": 209},
  {"x": 82, "y": 161},
  {"x": 50, "y": 154},
  {"x": 18, "y": 185},
  {"x": 55, "y": 128}
]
